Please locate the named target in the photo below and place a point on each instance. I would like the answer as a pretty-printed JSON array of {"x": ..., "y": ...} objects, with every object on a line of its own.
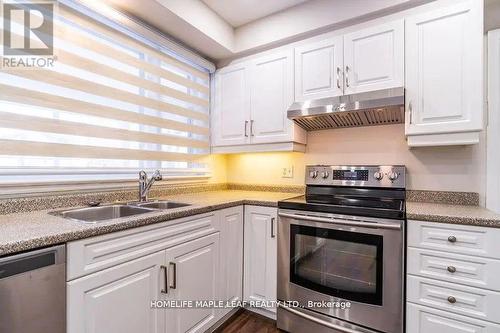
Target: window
[{"x": 113, "y": 103}]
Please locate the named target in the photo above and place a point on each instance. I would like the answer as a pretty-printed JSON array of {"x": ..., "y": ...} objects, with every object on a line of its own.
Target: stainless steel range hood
[{"x": 381, "y": 107}]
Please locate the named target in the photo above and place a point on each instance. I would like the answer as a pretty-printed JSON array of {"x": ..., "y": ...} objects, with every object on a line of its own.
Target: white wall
[
  {"x": 336, "y": 30},
  {"x": 458, "y": 168},
  {"x": 307, "y": 18}
]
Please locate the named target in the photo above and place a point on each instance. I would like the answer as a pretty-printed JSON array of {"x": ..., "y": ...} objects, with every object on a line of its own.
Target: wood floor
[{"x": 248, "y": 322}]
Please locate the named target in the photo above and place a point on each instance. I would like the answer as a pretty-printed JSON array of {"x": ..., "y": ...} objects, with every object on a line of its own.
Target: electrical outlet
[{"x": 287, "y": 172}]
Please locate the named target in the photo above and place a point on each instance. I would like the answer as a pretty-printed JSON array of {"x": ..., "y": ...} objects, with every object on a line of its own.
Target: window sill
[{"x": 23, "y": 189}]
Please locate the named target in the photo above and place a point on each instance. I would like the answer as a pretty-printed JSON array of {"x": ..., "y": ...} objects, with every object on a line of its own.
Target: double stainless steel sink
[{"x": 104, "y": 213}]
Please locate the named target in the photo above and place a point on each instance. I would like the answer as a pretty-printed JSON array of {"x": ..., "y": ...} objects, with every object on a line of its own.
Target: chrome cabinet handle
[
  {"x": 410, "y": 112},
  {"x": 251, "y": 128},
  {"x": 451, "y": 269},
  {"x": 174, "y": 274},
  {"x": 165, "y": 275},
  {"x": 347, "y": 76},
  {"x": 338, "y": 77},
  {"x": 452, "y": 299},
  {"x": 246, "y": 123},
  {"x": 272, "y": 227},
  {"x": 317, "y": 320},
  {"x": 452, "y": 239}
]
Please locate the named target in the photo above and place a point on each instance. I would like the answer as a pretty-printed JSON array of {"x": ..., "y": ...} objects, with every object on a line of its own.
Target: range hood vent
[{"x": 381, "y": 107}]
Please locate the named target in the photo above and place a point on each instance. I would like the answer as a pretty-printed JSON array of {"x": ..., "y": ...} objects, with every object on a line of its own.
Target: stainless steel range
[{"x": 341, "y": 251}]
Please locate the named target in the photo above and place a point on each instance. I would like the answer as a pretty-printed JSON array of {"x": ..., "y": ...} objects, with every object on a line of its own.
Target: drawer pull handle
[
  {"x": 452, "y": 239},
  {"x": 165, "y": 276},
  {"x": 174, "y": 273},
  {"x": 451, "y": 269},
  {"x": 452, "y": 299}
]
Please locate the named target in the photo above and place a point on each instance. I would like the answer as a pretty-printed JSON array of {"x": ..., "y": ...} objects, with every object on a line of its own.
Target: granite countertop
[
  {"x": 456, "y": 214},
  {"x": 30, "y": 230}
]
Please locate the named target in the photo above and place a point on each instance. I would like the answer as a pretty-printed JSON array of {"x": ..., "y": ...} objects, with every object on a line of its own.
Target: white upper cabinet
[
  {"x": 318, "y": 69},
  {"x": 374, "y": 58},
  {"x": 444, "y": 75},
  {"x": 230, "y": 121},
  {"x": 364, "y": 60},
  {"x": 271, "y": 95},
  {"x": 251, "y": 103}
]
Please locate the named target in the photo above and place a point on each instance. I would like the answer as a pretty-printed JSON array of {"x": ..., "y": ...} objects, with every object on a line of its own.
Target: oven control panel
[
  {"x": 361, "y": 175},
  {"x": 357, "y": 175}
]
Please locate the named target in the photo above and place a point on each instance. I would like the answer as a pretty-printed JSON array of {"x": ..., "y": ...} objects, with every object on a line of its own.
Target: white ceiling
[
  {"x": 213, "y": 27},
  {"x": 240, "y": 12}
]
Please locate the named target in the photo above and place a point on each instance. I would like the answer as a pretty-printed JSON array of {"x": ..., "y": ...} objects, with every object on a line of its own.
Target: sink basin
[
  {"x": 94, "y": 214},
  {"x": 162, "y": 204}
]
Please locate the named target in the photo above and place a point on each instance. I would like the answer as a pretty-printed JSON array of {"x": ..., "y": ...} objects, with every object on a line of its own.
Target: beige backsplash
[{"x": 453, "y": 168}]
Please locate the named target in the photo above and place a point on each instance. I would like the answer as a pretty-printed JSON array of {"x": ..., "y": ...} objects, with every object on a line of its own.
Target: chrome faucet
[{"x": 145, "y": 184}]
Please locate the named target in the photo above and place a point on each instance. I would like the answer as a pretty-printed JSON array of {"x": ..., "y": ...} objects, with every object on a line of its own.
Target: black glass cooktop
[{"x": 372, "y": 202}]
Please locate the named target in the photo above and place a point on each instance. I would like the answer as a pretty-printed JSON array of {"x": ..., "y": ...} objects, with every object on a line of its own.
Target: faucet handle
[{"x": 157, "y": 175}]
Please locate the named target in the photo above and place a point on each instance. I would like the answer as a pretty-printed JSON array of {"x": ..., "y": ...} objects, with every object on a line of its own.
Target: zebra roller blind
[{"x": 112, "y": 104}]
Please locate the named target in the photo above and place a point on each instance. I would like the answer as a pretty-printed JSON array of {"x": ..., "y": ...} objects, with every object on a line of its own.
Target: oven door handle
[
  {"x": 344, "y": 222},
  {"x": 317, "y": 320}
]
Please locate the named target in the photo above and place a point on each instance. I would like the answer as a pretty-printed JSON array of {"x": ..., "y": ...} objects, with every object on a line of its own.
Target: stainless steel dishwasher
[{"x": 33, "y": 291}]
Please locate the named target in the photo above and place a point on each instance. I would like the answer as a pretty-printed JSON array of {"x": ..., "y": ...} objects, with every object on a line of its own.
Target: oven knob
[
  {"x": 393, "y": 175},
  {"x": 378, "y": 175},
  {"x": 324, "y": 174},
  {"x": 313, "y": 174}
]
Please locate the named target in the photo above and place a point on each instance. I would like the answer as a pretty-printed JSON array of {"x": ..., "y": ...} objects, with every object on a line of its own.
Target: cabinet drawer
[
  {"x": 473, "y": 302},
  {"x": 471, "y": 271},
  {"x": 420, "y": 319},
  {"x": 477, "y": 241},
  {"x": 93, "y": 254}
]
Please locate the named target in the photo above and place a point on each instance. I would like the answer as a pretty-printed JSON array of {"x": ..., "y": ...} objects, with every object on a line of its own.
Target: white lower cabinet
[
  {"x": 118, "y": 299},
  {"x": 260, "y": 255},
  {"x": 193, "y": 274},
  {"x": 114, "y": 278},
  {"x": 231, "y": 256},
  {"x": 468, "y": 301},
  {"x": 178, "y": 260},
  {"x": 429, "y": 320},
  {"x": 452, "y": 283}
]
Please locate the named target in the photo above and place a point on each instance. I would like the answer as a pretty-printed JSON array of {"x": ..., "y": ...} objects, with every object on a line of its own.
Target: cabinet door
[
  {"x": 444, "y": 71},
  {"x": 318, "y": 69},
  {"x": 231, "y": 255},
  {"x": 231, "y": 107},
  {"x": 193, "y": 273},
  {"x": 118, "y": 299},
  {"x": 260, "y": 254},
  {"x": 374, "y": 58},
  {"x": 271, "y": 95}
]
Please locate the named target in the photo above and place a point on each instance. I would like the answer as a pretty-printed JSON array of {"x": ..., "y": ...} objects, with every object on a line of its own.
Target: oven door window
[{"x": 342, "y": 264}]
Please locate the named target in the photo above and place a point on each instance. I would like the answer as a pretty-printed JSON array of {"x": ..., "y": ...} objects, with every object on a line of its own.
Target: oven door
[{"x": 327, "y": 257}]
